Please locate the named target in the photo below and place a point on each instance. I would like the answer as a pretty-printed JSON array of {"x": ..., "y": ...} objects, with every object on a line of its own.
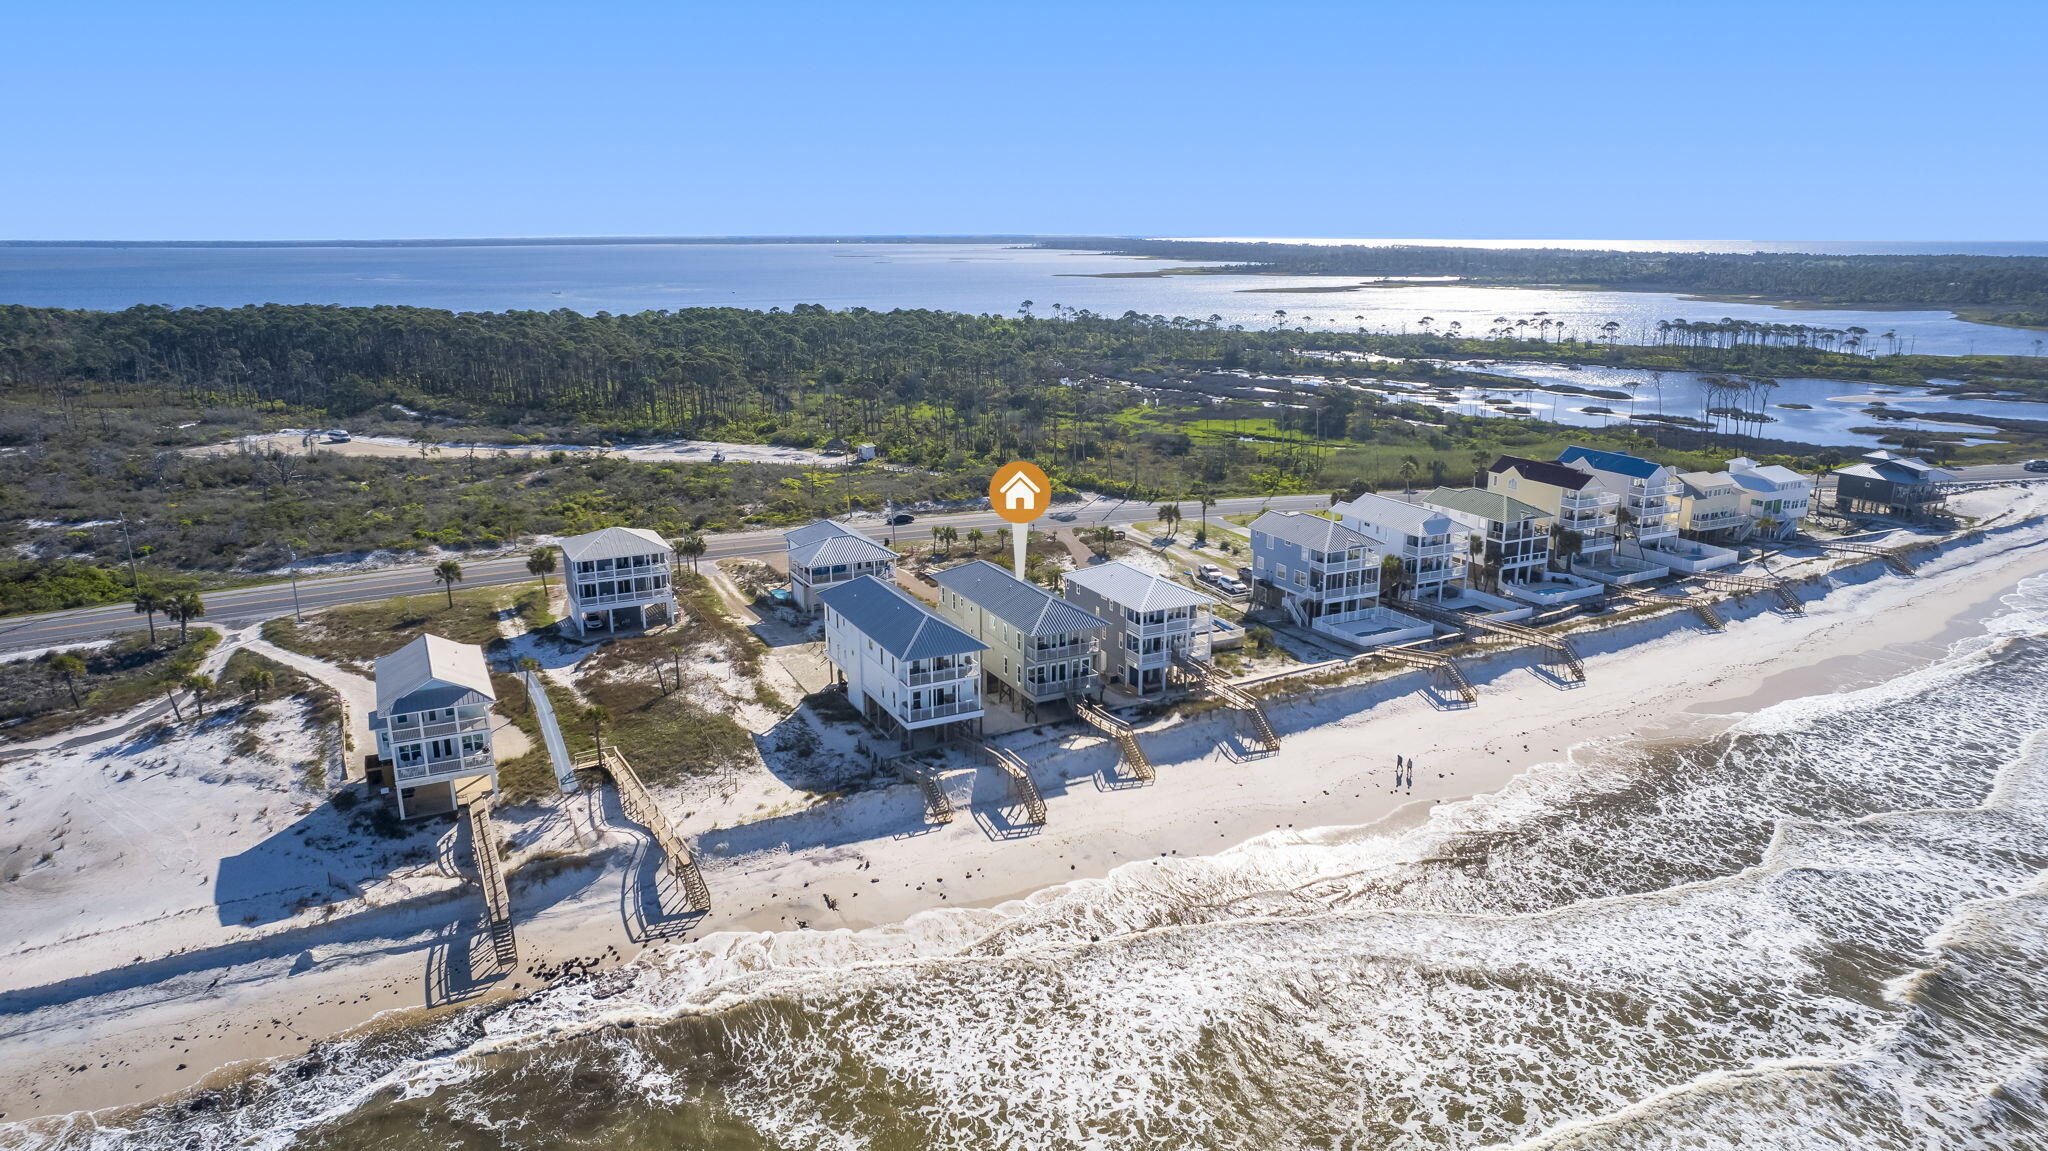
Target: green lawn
[{"x": 352, "y": 637}]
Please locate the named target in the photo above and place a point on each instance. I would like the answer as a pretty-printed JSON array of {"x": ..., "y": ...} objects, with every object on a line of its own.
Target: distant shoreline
[{"x": 526, "y": 241}]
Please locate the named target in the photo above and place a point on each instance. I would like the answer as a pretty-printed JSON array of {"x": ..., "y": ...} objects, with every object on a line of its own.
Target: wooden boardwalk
[
  {"x": 640, "y": 807},
  {"x": 483, "y": 847},
  {"x": 1099, "y": 718}
]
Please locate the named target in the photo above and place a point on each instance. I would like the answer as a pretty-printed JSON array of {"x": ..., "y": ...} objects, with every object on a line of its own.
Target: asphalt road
[{"x": 267, "y": 601}]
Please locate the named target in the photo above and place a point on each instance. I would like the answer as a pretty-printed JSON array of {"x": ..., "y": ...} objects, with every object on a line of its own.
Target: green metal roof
[{"x": 1486, "y": 505}]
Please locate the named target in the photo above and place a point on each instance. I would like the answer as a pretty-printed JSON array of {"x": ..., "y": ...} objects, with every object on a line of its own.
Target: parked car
[
  {"x": 1064, "y": 517},
  {"x": 901, "y": 518},
  {"x": 2036, "y": 465}
]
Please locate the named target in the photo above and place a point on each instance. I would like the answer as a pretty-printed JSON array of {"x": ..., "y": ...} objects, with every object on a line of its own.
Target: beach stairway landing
[
  {"x": 1023, "y": 791},
  {"x": 1747, "y": 584},
  {"x": 640, "y": 807},
  {"x": 1893, "y": 557},
  {"x": 1443, "y": 665},
  {"x": 1233, "y": 696},
  {"x": 1558, "y": 652},
  {"x": 1699, "y": 605},
  {"x": 1099, "y": 718},
  {"x": 483, "y": 845}
]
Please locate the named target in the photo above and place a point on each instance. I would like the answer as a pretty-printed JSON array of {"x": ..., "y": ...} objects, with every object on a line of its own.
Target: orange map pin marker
[{"x": 1020, "y": 493}]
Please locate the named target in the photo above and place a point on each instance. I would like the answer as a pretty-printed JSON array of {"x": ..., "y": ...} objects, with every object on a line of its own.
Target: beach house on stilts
[
  {"x": 433, "y": 723},
  {"x": 618, "y": 580},
  {"x": 826, "y": 553},
  {"x": 910, "y": 673}
]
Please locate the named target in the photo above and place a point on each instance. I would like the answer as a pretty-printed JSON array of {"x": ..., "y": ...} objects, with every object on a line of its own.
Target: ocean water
[
  {"x": 977, "y": 278},
  {"x": 1825, "y": 928}
]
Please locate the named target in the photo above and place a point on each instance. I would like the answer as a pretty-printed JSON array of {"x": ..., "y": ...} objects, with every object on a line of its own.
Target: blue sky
[{"x": 1648, "y": 120}]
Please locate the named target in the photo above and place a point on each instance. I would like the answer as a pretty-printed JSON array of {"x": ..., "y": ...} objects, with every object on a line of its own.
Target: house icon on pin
[{"x": 1020, "y": 493}]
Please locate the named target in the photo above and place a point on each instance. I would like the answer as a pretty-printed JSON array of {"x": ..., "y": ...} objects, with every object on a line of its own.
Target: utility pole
[
  {"x": 297, "y": 615},
  {"x": 134, "y": 578}
]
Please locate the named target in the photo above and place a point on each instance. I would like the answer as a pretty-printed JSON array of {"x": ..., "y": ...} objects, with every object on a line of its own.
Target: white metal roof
[
  {"x": 613, "y": 543},
  {"x": 1134, "y": 588},
  {"x": 831, "y": 542},
  {"x": 430, "y": 662},
  {"x": 1399, "y": 515},
  {"x": 1022, "y": 604}
]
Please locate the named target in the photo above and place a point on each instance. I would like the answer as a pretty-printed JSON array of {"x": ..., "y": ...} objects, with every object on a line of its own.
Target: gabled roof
[
  {"x": 1544, "y": 472},
  {"x": 1310, "y": 531},
  {"x": 898, "y": 624},
  {"x": 612, "y": 543},
  {"x": 1743, "y": 467},
  {"x": 1399, "y": 515},
  {"x": 1020, "y": 603},
  {"x": 1701, "y": 483},
  {"x": 1134, "y": 588},
  {"x": 433, "y": 663},
  {"x": 1497, "y": 507},
  {"x": 1619, "y": 463},
  {"x": 831, "y": 542}
]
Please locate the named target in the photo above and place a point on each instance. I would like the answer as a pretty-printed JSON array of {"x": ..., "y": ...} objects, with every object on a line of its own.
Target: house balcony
[
  {"x": 1072, "y": 649},
  {"x": 662, "y": 594},
  {"x": 431, "y": 770},
  {"x": 1076, "y": 682},
  {"x": 958, "y": 709},
  {"x": 417, "y": 732},
  {"x": 1154, "y": 630},
  {"x": 942, "y": 674},
  {"x": 1411, "y": 552},
  {"x": 1587, "y": 502},
  {"x": 1613, "y": 567}
]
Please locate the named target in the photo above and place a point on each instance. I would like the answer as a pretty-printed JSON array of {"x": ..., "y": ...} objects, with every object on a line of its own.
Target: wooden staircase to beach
[
  {"x": 1233, "y": 696},
  {"x": 1022, "y": 790},
  {"x": 1099, "y": 718},
  {"x": 1445, "y": 667},
  {"x": 1750, "y": 584},
  {"x": 483, "y": 847},
  {"x": 640, "y": 807},
  {"x": 938, "y": 808},
  {"x": 1559, "y": 652}
]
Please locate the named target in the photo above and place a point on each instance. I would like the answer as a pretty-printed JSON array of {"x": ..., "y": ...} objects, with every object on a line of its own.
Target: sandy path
[{"x": 1646, "y": 678}]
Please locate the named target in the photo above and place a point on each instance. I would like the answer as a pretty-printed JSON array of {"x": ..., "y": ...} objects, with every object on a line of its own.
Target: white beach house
[
  {"x": 827, "y": 553},
  {"x": 909, "y": 672},
  {"x": 1583, "y": 512},
  {"x": 618, "y": 579},
  {"x": 1774, "y": 497},
  {"x": 1424, "y": 539},
  {"x": 1152, "y": 620},
  {"x": 433, "y": 722},
  {"x": 1326, "y": 577},
  {"x": 1041, "y": 649}
]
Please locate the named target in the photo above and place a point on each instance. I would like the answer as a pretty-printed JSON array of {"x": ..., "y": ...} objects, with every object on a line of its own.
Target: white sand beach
[{"x": 124, "y": 1001}]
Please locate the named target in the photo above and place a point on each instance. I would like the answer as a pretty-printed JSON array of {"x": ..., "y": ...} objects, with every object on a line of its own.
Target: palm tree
[
  {"x": 185, "y": 607},
  {"x": 974, "y": 538},
  {"x": 149, "y": 601},
  {"x": 199, "y": 686},
  {"x": 690, "y": 547},
  {"x": 596, "y": 716},
  {"x": 69, "y": 666},
  {"x": 951, "y": 536},
  {"x": 1409, "y": 467},
  {"x": 1205, "y": 499},
  {"x": 1480, "y": 458},
  {"x": 540, "y": 563},
  {"x": 256, "y": 681},
  {"x": 1393, "y": 576},
  {"x": 448, "y": 573},
  {"x": 1566, "y": 543},
  {"x": 1169, "y": 514}
]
